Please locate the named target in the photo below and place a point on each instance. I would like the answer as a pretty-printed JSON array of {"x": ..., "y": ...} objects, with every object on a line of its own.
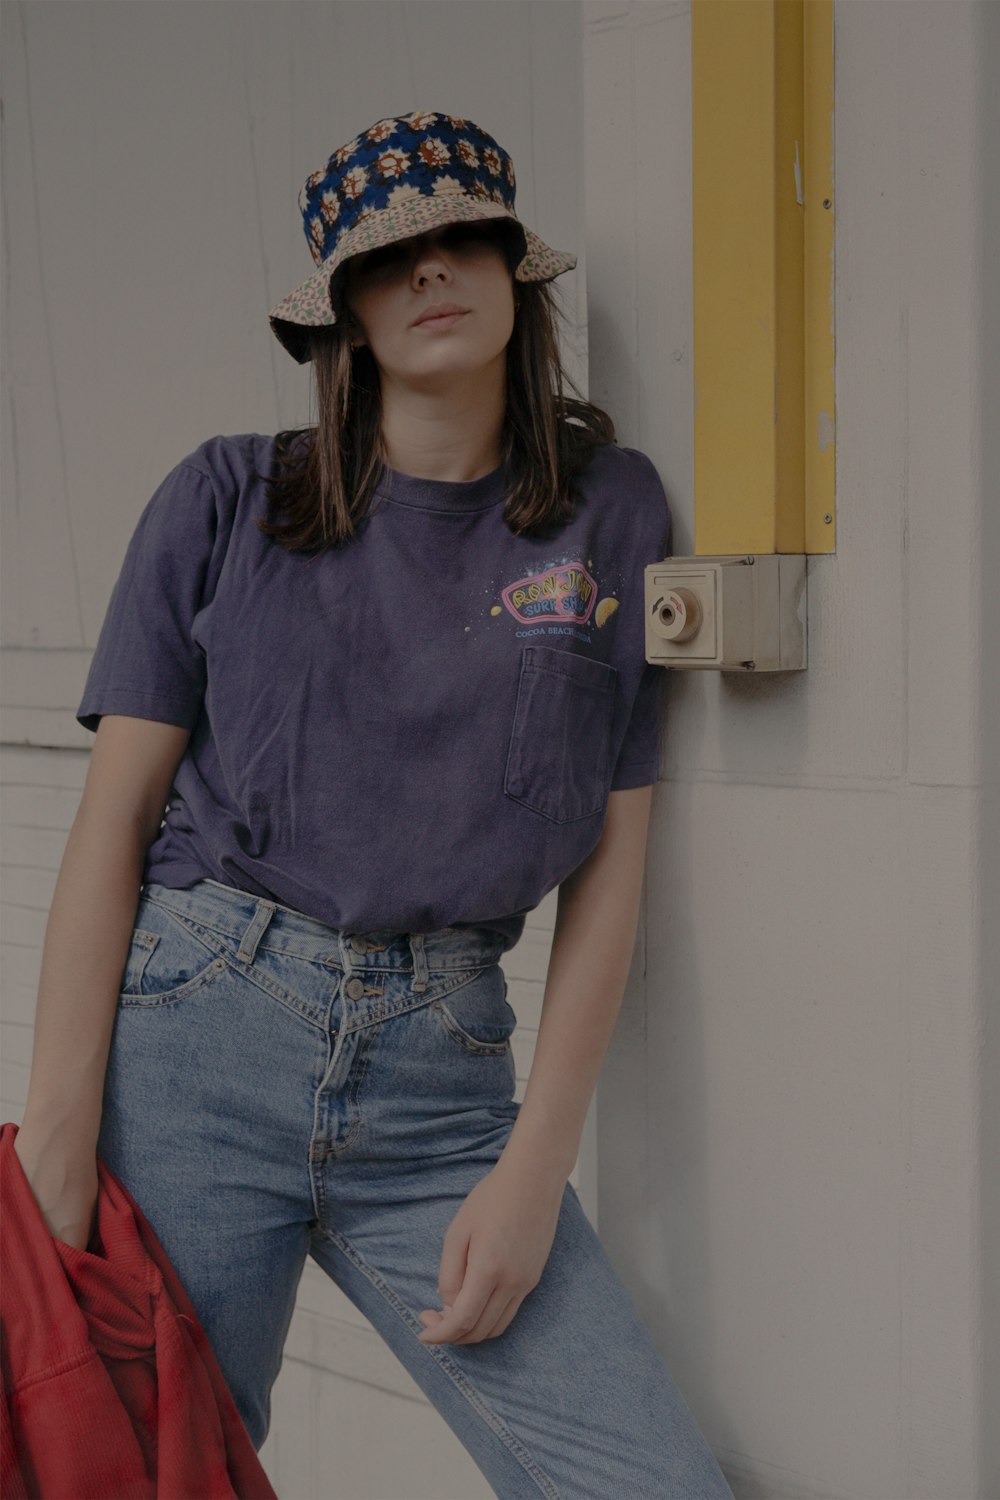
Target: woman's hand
[
  {"x": 495, "y": 1250},
  {"x": 62, "y": 1174}
]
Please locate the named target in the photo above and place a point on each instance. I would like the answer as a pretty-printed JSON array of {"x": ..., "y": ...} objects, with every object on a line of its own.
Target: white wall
[
  {"x": 987, "y": 378},
  {"x": 799, "y": 1112}
]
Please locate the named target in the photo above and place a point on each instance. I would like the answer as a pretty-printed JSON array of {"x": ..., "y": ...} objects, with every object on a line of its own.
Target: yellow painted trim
[
  {"x": 820, "y": 346},
  {"x": 762, "y": 120}
]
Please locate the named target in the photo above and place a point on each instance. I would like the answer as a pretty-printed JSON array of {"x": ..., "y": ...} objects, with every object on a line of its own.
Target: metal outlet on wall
[{"x": 745, "y": 613}]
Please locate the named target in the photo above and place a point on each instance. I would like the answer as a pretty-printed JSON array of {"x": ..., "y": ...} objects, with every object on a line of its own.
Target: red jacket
[{"x": 111, "y": 1390}]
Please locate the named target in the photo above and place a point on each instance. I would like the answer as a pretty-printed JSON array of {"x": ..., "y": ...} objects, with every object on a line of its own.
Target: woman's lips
[{"x": 443, "y": 322}]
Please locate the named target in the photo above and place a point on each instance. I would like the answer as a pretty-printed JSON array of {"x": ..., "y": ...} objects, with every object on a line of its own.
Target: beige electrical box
[{"x": 745, "y": 613}]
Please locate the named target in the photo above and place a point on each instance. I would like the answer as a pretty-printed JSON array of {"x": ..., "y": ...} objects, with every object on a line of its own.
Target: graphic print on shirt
[{"x": 560, "y": 598}]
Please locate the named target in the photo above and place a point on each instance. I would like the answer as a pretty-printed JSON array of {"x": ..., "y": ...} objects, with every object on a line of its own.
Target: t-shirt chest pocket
[{"x": 559, "y": 752}]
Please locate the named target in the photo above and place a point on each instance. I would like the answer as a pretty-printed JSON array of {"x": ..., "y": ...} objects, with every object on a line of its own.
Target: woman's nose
[{"x": 430, "y": 262}]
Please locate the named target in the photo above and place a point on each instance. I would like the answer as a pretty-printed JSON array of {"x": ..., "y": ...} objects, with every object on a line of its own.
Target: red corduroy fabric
[{"x": 111, "y": 1390}]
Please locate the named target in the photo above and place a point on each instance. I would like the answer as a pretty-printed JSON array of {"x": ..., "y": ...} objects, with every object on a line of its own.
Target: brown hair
[{"x": 325, "y": 475}]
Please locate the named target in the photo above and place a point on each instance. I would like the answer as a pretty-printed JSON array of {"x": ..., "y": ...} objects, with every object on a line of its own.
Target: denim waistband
[{"x": 251, "y": 921}]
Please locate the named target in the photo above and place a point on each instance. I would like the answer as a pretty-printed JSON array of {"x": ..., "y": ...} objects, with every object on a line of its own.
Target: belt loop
[
  {"x": 419, "y": 960},
  {"x": 255, "y": 930}
]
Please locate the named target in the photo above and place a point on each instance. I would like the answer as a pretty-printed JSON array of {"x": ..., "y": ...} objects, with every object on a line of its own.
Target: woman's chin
[{"x": 446, "y": 371}]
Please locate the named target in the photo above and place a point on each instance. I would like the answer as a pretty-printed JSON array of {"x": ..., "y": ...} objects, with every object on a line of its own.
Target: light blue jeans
[{"x": 277, "y": 1088}]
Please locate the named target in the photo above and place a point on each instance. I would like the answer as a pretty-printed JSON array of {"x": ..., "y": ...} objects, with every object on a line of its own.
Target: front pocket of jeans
[
  {"x": 166, "y": 961},
  {"x": 559, "y": 752},
  {"x": 478, "y": 1016}
]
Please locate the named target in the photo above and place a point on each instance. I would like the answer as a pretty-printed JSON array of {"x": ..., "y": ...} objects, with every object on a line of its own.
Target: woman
[{"x": 389, "y": 673}]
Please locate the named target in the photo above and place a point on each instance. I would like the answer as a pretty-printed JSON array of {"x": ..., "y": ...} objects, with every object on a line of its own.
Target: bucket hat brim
[{"x": 311, "y": 304}]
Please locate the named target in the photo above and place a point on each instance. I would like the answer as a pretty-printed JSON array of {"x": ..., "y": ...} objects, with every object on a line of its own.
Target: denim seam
[
  {"x": 475, "y": 1399},
  {"x": 456, "y": 979},
  {"x": 147, "y": 940},
  {"x": 287, "y": 998},
  {"x": 135, "y": 999},
  {"x": 332, "y": 963},
  {"x": 368, "y": 1044},
  {"x": 202, "y": 933},
  {"x": 295, "y": 1003},
  {"x": 129, "y": 1000},
  {"x": 228, "y": 937},
  {"x": 464, "y": 1039}
]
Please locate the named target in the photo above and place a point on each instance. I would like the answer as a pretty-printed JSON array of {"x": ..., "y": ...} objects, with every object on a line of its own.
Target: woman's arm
[
  {"x": 596, "y": 921},
  {"x": 90, "y": 921},
  {"x": 497, "y": 1244},
  {"x": 87, "y": 939}
]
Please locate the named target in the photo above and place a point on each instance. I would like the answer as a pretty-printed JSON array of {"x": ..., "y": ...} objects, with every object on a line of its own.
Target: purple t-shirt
[{"x": 416, "y": 731}]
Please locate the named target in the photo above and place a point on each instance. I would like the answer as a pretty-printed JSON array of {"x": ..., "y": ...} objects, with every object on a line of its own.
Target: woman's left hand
[{"x": 495, "y": 1249}]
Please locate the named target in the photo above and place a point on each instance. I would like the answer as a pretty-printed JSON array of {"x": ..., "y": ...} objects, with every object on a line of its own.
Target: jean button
[
  {"x": 355, "y": 988},
  {"x": 359, "y": 945}
]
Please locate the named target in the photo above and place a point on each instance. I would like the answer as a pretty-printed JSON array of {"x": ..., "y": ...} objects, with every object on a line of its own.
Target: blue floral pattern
[{"x": 402, "y": 176}]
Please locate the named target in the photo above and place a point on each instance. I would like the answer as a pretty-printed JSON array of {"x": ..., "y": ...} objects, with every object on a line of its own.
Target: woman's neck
[{"x": 453, "y": 437}]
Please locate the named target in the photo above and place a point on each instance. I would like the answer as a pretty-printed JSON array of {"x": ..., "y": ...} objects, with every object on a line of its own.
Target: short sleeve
[
  {"x": 638, "y": 760},
  {"x": 147, "y": 663}
]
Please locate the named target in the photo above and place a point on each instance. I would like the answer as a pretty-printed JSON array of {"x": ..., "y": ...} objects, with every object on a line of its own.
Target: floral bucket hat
[{"x": 401, "y": 177}]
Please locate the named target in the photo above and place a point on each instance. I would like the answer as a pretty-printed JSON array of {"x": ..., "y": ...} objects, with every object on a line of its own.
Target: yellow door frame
[{"x": 762, "y": 173}]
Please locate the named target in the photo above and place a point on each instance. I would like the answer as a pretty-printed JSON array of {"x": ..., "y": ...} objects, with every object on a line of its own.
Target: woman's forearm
[
  {"x": 87, "y": 939},
  {"x": 593, "y": 941}
]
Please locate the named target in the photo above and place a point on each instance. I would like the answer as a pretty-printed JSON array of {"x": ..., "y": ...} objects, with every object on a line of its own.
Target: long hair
[{"x": 324, "y": 476}]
